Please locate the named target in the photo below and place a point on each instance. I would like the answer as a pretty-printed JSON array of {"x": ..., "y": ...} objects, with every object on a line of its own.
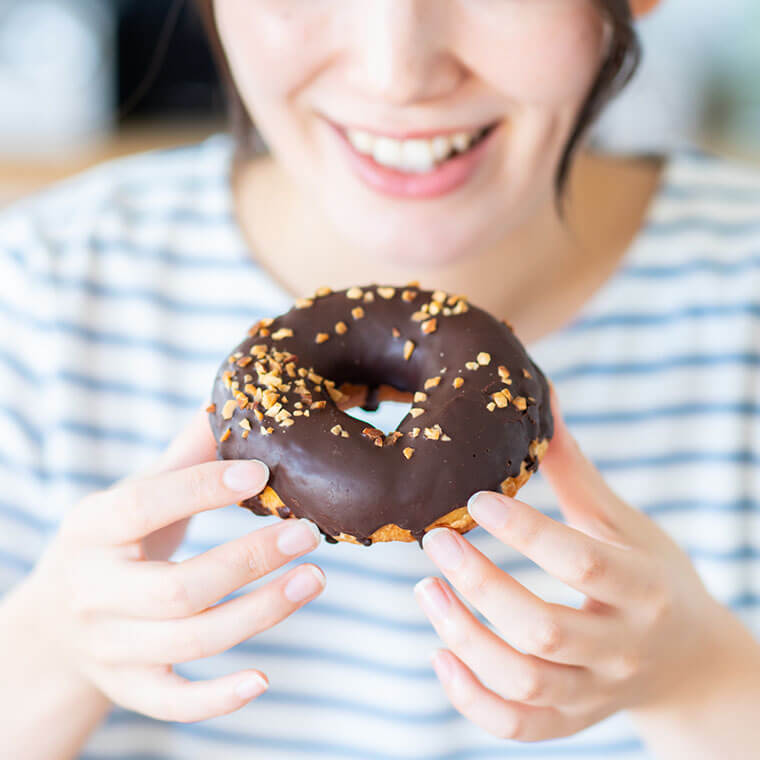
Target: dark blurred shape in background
[{"x": 185, "y": 83}]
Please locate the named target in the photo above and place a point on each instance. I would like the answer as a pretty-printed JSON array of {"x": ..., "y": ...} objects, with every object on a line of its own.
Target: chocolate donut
[{"x": 480, "y": 416}]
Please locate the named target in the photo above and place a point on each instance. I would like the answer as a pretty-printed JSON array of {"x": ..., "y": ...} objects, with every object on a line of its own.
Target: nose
[{"x": 401, "y": 53}]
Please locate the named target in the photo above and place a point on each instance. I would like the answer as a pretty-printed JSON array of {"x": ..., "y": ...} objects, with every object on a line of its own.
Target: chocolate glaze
[{"x": 349, "y": 484}]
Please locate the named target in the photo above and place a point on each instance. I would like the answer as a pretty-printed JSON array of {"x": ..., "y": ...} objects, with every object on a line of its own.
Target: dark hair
[{"x": 617, "y": 68}]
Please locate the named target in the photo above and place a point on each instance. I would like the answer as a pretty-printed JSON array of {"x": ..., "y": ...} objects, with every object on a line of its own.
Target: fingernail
[
  {"x": 297, "y": 536},
  {"x": 444, "y": 548},
  {"x": 250, "y": 475},
  {"x": 487, "y": 509},
  {"x": 442, "y": 665},
  {"x": 433, "y": 596},
  {"x": 252, "y": 686},
  {"x": 305, "y": 583}
]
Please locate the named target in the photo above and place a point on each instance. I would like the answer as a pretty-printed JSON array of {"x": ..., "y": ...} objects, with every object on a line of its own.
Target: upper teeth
[{"x": 417, "y": 155}]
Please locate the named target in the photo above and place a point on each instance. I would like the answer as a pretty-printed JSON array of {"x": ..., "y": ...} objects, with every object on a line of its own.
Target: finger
[
  {"x": 163, "y": 642},
  {"x": 512, "y": 675},
  {"x": 139, "y": 507},
  {"x": 584, "y": 496},
  {"x": 503, "y": 719},
  {"x": 607, "y": 573},
  {"x": 161, "y": 694},
  {"x": 549, "y": 631},
  {"x": 165, "y": 590}
]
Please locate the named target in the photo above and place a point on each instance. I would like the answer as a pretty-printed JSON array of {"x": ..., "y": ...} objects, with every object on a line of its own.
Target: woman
[{"x": 633, "y": 284}]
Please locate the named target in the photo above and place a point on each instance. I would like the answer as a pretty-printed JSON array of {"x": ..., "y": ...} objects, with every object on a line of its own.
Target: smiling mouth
[{"x": 415, "y": 155}]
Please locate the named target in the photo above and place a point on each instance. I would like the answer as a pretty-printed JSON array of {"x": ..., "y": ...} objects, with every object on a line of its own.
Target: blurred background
[{"x": 78, "y": 84}]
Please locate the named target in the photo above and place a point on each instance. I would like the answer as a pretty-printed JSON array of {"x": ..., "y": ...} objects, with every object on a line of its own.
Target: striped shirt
[{"x": 121, "y": 291}]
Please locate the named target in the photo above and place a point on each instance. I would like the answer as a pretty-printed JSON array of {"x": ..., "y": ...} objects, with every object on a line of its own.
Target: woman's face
[{"x": 425, "y": 129}]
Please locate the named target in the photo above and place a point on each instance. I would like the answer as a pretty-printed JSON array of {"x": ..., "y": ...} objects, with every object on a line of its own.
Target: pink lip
[{"x": 442, "y": 180}]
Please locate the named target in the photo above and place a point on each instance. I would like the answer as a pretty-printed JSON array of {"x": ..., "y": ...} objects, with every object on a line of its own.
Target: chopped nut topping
[
  {"x": 266, "y": 431},
  {"x": 283, "y": 332},
  {"x": 323, "y": 291},
  {"x": 344, "y": 433},
  {"x": 263, "y": 332},
  {"x": 322, "y": 337},
  {"x": 445, "y": 437},
  {"x": 318, "y": 405},
  {"x": 408, "y": 349},
  {"x": 419, "y": 316},
  {"x": 227, "y": 378},
  {"x": 433, "y": 433},
  {"x": 414, "y": 432},
  {"x": 430, "y": 326},
  {"x": 287, "y": 423},
  {"x": 415, "y": 411},
  {"x": 283, "y": 414},
  {"x": 354, "y": 293},
  {"x": 302, "y": 372},
  {"x": 298, "y": 405},
  {"x": 248, "y": 378},
  {"x": 298, "y": 413},
  {"x": 439, "y": 295},
  {"x": 391, "y": 438},
  {"x": 357, "y": 312},
  {"x": 508, "y": 324},
  {"x": 521, "y": 403},
  {"x": 432, "y": 382},
  {"x": 409, "y": 295},
  {"x": 472, "y": 366},
  {"x": 395, "y": 333},
  {"x": 314, "y": 377},
  {"x": 413, "y": 284},
  {"x": 336, "y": 429},
  {"x": 461, "y": 307},
  {"x": 304, "y": 303},
  {"x": 435, "y": 308},
  {"x": 245, "y": 361},
  {"x": 458, "y": 382},
  {"x": 341, "y": 328},
  {"x": 245, "y": 434},
  {"x": 408, "y": 452},
  {"x": 420, "y": 396},
  {"x": 268, "y": 322},
  {"x": 229, "y": 409},
  {"x": 211, "y": 408},
  {"x": 527, "y": 374},
  {"x": 335, "y": 394},
  {"x": 500, "y": 399},
  {"x": 290, "y": 368},
  {"x": 226, "y": 434},
  {"x": 369, "y": 297},
  {"x": 503, "y": 373},
  {"x": 484, "y": 359},
  {"x": 490, "y": 406},
  {"x": 274, "y": 410},
  {"x": 245, "y": 424},
  {"x": 386, "y": 293},
  {"x": 446, "y": 311},
  {"x": 376, "y": 436},
  {"x": 259, "y": 415}
]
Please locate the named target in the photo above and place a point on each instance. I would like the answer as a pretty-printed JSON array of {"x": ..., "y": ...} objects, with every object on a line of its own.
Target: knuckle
[
  {"x": 531, "y": 685},
  {"x": 251, "y": 559},
  {"x": 511, "y": 727},
  {"x": 199, "y": 485},
  {"x": 660, "y": 607},
  {"x": 523, "y": 526},
  {"x": 174, "y": 596},
  {"x": 137, "y": 511},
  {"x": 546, "y": 638},
  {"x": 193, "y": 647},
  {"x": 627, "y": 666},
  {"x": 588, "y": 567}
]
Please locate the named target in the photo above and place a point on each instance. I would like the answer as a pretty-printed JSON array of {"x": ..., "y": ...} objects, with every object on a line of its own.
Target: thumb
[{"x": 585, "y": 498}]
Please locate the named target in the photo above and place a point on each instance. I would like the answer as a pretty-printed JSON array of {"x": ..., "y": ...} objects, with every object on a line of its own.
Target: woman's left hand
[{"x": 647, "y": 624}]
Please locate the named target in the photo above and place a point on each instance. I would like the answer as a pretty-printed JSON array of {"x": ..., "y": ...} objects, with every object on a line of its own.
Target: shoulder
[
  {"x": 705, "y": 216},
  {"x": 152, "y": 195}
]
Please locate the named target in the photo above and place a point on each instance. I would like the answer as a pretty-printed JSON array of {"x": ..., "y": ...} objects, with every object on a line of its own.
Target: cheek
[
  {"x": 255, "y": 34},
  {"x": 542, "y": 53}
]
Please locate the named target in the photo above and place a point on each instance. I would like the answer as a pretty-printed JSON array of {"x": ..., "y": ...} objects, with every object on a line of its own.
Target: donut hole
[{"x": 383, "y": 409}]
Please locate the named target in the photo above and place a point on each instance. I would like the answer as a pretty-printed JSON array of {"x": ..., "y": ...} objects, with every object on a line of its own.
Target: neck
[{"x": 538, "y": 277}]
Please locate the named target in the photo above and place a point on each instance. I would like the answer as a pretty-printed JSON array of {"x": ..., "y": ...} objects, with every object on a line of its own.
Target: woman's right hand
[{"x": 120, "y": 618}]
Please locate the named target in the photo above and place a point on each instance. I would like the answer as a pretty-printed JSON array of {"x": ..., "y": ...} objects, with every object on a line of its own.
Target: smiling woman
[{"x": 407, "y": 140}]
